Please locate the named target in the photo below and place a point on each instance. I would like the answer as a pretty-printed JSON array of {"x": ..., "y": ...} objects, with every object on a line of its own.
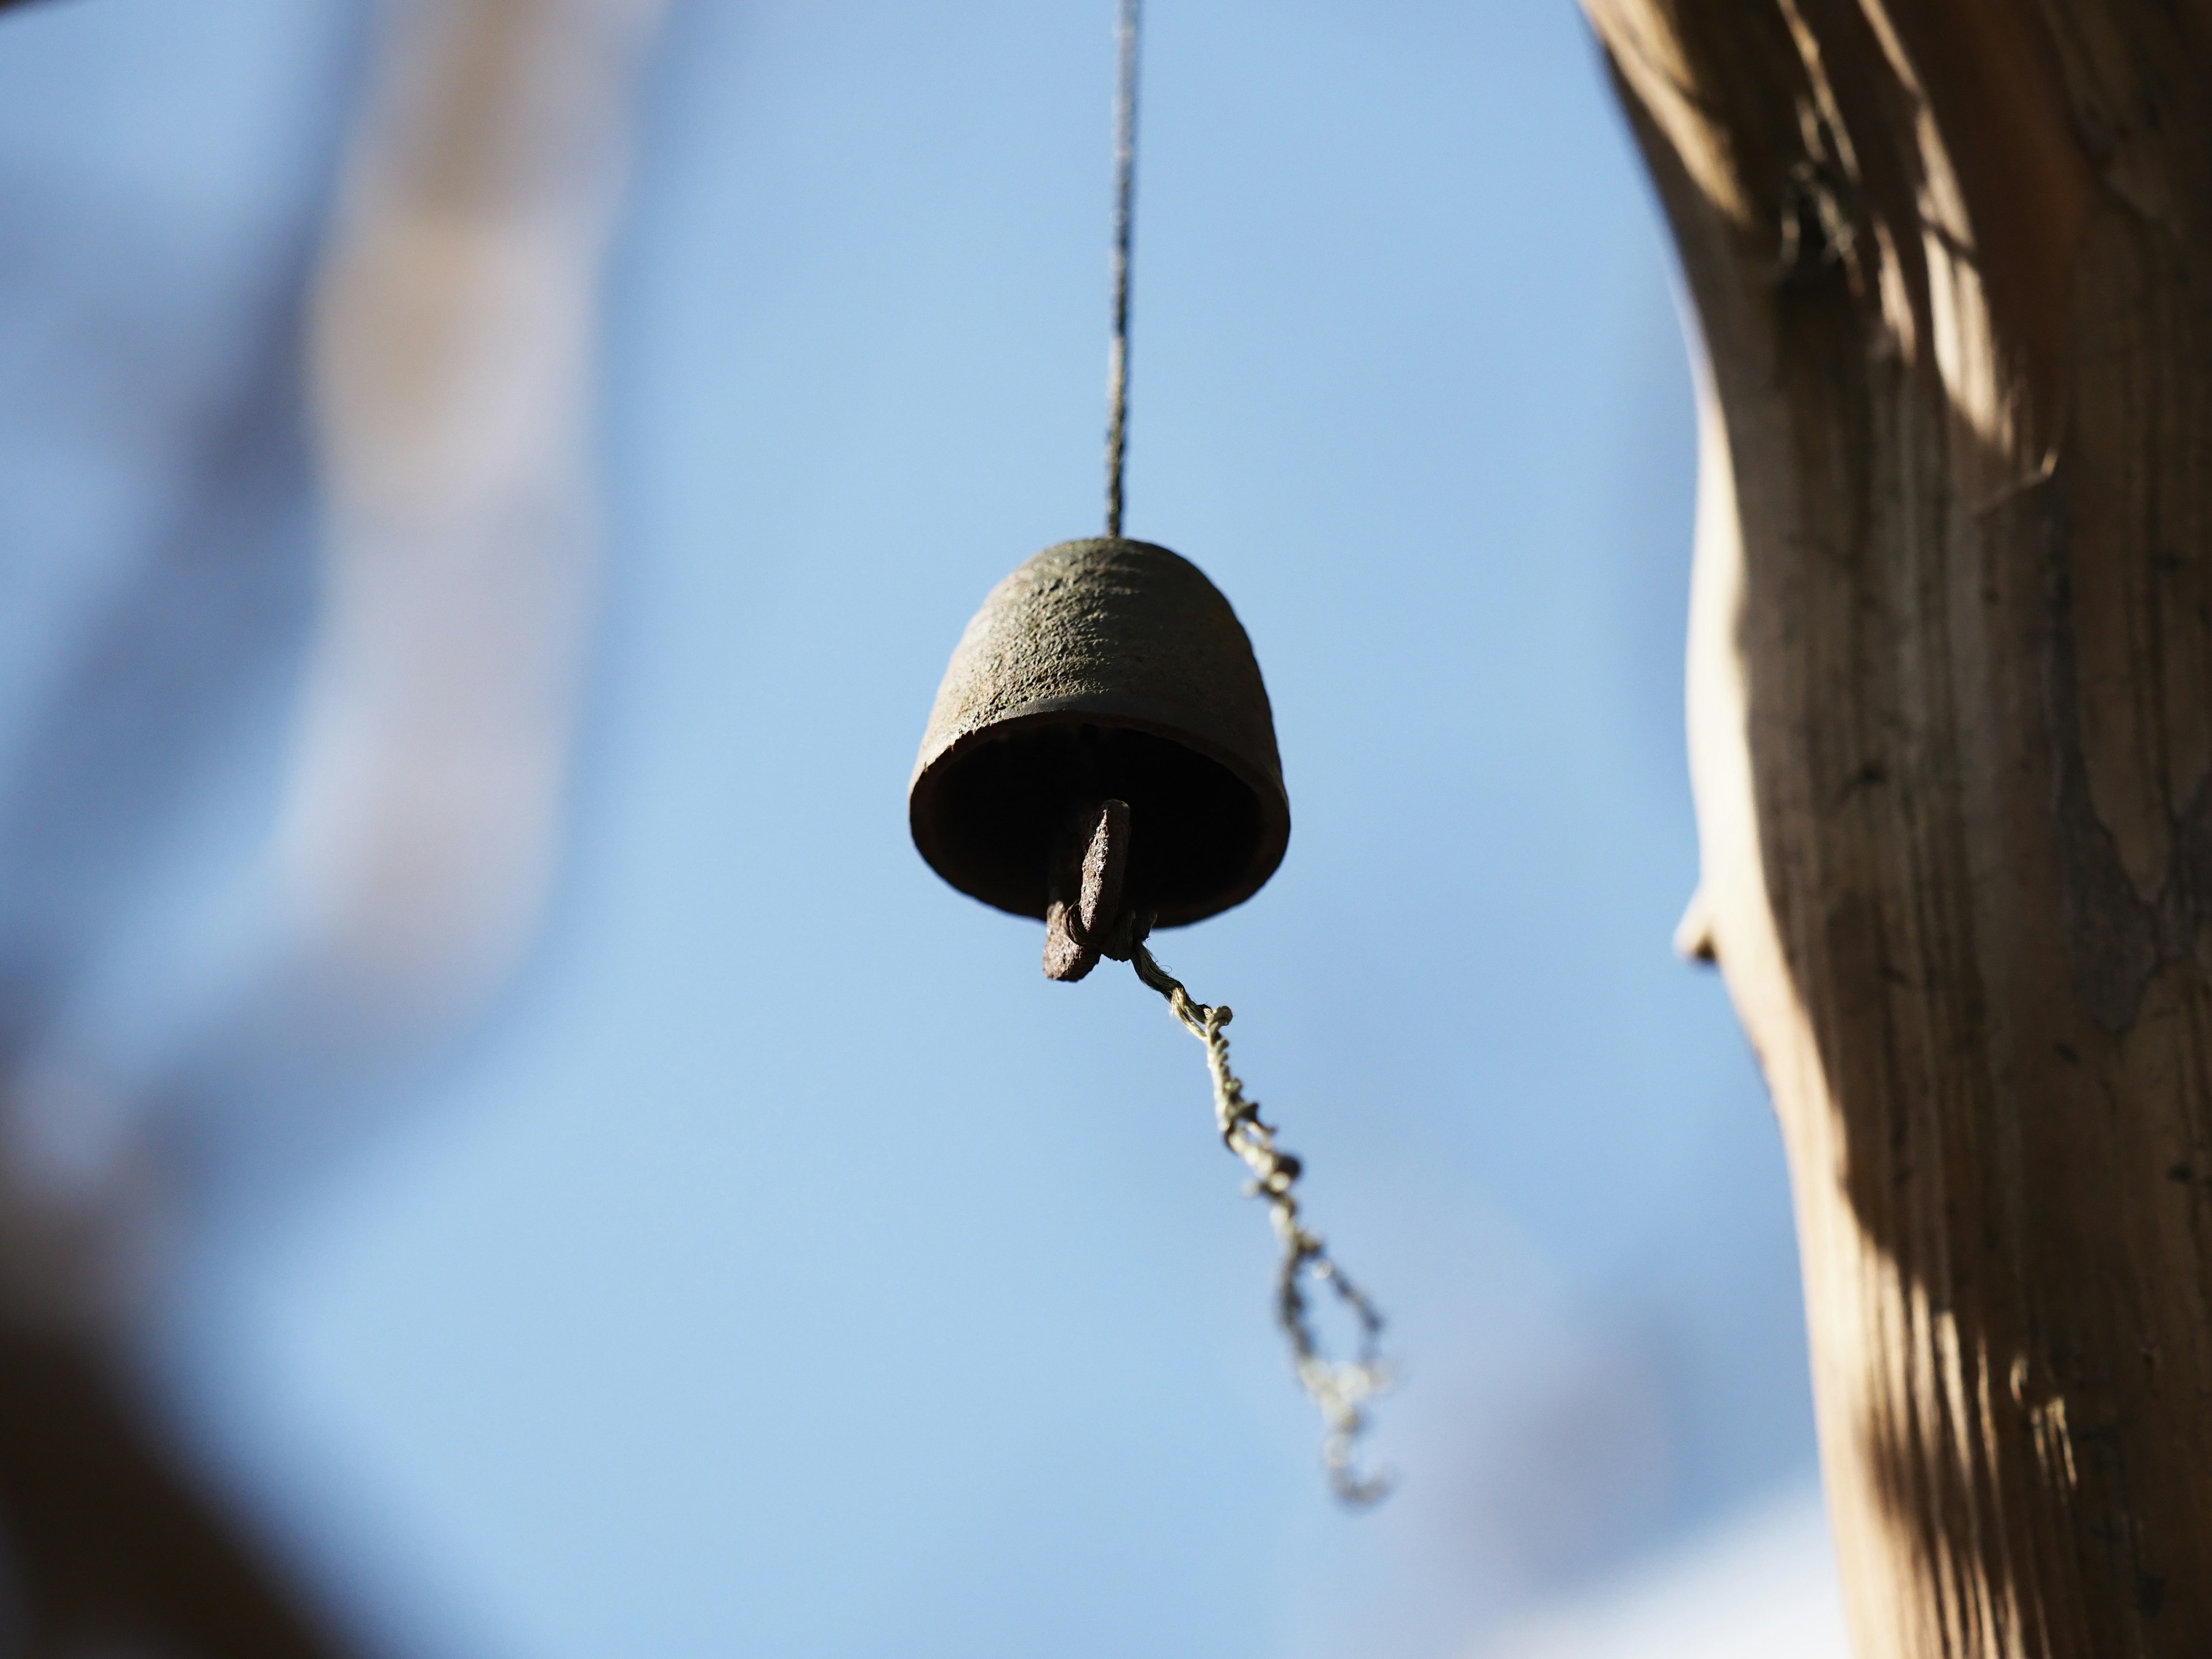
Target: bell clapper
[{"x": 1086, "y": 894}]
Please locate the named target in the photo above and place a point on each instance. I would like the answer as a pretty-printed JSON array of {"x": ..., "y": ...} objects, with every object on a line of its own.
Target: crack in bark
[{"x": 2117, "y": 939}]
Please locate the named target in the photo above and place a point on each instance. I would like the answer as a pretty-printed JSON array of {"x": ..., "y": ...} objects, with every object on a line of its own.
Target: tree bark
[{"x": 1951, "y": 736}]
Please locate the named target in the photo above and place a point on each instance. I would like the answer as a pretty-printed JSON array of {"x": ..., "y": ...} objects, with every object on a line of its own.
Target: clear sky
[{"x": 786, "y": 1268}]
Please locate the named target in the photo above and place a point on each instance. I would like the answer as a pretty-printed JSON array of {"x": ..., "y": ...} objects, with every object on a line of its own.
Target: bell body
[{"x": 1103, "y": 669}]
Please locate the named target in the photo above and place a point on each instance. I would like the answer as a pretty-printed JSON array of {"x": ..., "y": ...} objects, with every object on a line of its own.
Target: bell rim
[{"x": 1134, "y": 715}]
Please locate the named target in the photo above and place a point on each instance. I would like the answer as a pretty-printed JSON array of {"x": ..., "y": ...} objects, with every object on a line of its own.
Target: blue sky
[{"x": 784, "y": 1267}]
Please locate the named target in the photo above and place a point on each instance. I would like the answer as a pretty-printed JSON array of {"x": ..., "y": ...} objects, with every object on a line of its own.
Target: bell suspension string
[
  {"x": 1340, "y": 1388},
  {"x": 1125, "y": 187}
]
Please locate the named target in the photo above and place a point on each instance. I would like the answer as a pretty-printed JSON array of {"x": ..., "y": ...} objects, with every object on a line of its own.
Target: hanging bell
[{"x": 1100, "y": 672}]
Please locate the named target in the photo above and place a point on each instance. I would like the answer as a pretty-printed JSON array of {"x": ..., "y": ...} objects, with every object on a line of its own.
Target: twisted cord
[
  {"x": 1125, "y": 191},
  {"x": 1340, "y": 1388}
]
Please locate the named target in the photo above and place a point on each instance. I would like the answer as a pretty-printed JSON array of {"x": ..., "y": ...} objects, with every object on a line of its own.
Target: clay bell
[{"x": 1102, "y": 671}]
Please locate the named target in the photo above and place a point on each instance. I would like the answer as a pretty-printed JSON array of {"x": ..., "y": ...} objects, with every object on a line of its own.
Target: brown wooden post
[{"x": 1951, "y": 734}]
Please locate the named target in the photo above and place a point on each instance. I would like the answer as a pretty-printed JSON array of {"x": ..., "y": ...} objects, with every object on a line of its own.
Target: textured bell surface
[{"x": 1103, "y": 669}]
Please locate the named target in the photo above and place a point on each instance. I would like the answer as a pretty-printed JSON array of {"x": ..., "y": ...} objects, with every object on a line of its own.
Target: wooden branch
[{"x": 1951, "y": 730}]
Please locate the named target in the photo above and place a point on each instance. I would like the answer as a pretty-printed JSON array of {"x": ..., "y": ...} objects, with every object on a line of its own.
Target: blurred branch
[
  {"x": 452, "y": 386},
  {"x": 115, "y": 1546}
]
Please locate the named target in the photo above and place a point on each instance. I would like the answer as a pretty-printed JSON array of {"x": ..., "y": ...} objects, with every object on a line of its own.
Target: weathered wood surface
[{"x": 1951, "y": 732}]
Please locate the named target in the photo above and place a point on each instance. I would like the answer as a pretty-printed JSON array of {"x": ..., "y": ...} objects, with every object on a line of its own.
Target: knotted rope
[
  {"x": 1340, "y": 1388},
  {"x": 1125, "y": 197}
]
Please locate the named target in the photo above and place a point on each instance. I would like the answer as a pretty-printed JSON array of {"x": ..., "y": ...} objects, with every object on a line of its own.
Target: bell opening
[{"x": 1000, "y": 813}]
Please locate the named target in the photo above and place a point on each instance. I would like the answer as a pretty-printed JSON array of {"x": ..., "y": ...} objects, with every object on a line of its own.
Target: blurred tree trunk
[{"x": 1951, "y": 734}]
